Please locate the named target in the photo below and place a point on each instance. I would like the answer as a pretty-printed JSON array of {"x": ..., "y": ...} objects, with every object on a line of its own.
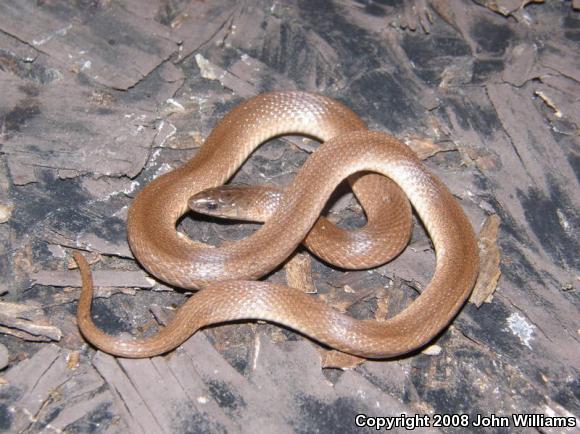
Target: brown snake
[{"x": 222, "y": 274}]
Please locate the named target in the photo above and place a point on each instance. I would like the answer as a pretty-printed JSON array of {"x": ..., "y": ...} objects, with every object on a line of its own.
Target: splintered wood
[
  {"x": 27, "y": 321},
  {"x": 489, "y": 260}
]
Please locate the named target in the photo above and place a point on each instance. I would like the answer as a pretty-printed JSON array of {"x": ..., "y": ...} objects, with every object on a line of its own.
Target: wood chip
[
  {"x": 489, "y": 260},
  {"x": 382, "y": 310},
  {"x": 548, "y": 101},
  {"x": 72, "y": 360},
  {"x": 5, "y": 212},
  {"x": 506, "y": 7},
  {"x": 103, "y": 278},
  {"x": 425, "y": 147},
  {"x": 4, "y": 357},
  {"x": 27, "y": 321},
  {"x": 299, "y": 273},
  {"x": 432, "y": 350},
  {"x": 337, "y": 360}
]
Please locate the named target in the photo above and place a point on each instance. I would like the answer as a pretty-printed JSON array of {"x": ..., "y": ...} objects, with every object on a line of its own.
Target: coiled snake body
[{"x": 225, "y": 274}]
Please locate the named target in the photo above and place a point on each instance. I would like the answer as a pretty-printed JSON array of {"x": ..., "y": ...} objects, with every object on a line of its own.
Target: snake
[
  {"x": 383, "y": 237},
  {"x": 226, "y": 276}
]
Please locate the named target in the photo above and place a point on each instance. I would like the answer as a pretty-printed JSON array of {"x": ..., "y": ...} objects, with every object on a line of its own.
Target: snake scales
[{"x": 225, "y": 276}]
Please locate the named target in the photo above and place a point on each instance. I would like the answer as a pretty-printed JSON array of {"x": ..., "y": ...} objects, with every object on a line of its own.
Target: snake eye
[{"x": 211, "y": 205}]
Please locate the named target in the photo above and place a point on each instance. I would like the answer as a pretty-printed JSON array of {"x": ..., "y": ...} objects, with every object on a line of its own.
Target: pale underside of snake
[{"x": 225, "y": 276}]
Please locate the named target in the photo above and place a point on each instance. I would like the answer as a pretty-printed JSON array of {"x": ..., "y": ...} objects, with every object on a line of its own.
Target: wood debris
[
  {"x": 27, "y": 321},
  {"x": 5, "y": 212},
  {"x": 489, "y": 262},
  {"x": 333, "y": 359},
  {"x": 299, "y": 273},
  {"x": 4, "y": 357},
  {"x": 425, "y": 148},
  {"x": 506, "y": 7},
  {"x": 102, "y": 278}
]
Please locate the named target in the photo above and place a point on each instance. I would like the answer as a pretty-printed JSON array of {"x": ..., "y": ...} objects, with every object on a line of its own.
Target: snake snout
[{"x": 203, "y": 204}]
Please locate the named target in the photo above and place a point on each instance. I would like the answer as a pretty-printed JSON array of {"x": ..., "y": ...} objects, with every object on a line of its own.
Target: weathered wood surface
[{"x": 98, "y": 98}]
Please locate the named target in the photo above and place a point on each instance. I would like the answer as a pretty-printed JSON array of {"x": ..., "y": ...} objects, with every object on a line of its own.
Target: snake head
[
  {"x": 254, "y": 203},
  {"x": 226, "y": 201}
]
